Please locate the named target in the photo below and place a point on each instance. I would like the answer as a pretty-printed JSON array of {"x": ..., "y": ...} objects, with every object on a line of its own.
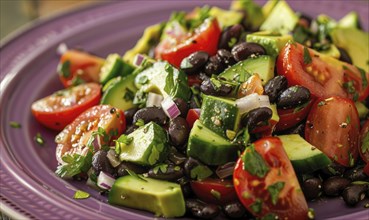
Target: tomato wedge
[
  {"x": 74, "y": 137},
  {"x": 266, "y": 183},
  {"x": 364, "y": 142},
  {"x": 323, "y": 75},
  {"x": 333, "y": 127},
  {"x": 214, "y": 191},
  {"x": 291, "y": 117},
  {"x": 76, "y": 67},
  {"x": 61, "y": 108},
  {"x": 205, "y": 38}
]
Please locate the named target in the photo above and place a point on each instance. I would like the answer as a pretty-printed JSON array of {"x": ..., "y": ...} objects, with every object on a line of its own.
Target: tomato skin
[
  {"x": 333, "y": 127},
  {"x": 324, "y": 76},
  {"x": 192, "y": 115},
  {"x": 207, "y": 190},
  {"x": 82, "y": 66},
  {"x": 57, "y": 111},
  {"x": 205, "y": 38},
  {"x": 290, "y": 117},
  {"x": 290, "y": 203},
  {"x": 364, "y": 134},
  {"x": 74, "y": 137}
]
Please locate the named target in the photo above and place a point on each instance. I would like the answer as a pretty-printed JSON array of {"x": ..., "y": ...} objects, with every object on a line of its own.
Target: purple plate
[{"x": 29, "y": 187}]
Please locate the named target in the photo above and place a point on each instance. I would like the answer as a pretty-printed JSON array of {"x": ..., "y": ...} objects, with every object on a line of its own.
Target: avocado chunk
[
  {"x": 254, "y": 15},
  {"x": 226, "y": 18},
  {"x": 119, "y": 92},
  {"x": 157, "y": 196},
  {"x": 220, "y": 115},
  {"x": 208, "y": 147},
  {"x": 355, "y": 42},
  {"x": 273, "y": 42},
  {"x": 241, "y": 71},
  {"x": 305, "y": 158},
  {"x": 149, "y": 38},
  {"x": 164, "y": 79},
  {"x": 281, "y": 19},
  {"x": 147, "y": 145},
  {"x": 350, "y": 20}
]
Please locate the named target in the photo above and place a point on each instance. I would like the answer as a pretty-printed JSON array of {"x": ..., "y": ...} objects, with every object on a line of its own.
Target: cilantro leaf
[
  {"x": 274, "y": 191},
  {"x": 79, "y": 194},
  {"x": 254, "y": 162},
  {"x": 307, "y": 57}
]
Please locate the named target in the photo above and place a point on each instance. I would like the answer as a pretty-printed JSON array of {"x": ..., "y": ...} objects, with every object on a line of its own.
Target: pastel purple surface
[{"x": 28, "y": 62}]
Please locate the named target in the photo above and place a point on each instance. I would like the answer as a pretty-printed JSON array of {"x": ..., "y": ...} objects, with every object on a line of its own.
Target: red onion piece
[
  {"x": 105, "y": 181},
  {"x": 225, "y": 170},
  {"x": 170, "y": 108}
]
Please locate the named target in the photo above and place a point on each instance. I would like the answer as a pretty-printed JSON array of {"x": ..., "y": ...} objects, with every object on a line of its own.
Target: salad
[{"x": 242, "y": 113}]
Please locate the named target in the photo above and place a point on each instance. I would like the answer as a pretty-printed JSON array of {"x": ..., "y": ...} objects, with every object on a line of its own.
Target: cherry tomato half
[
  {"x": 192, "y": 115},
  {"x": 74, "y": 137},
  {"x": 291, "y": 117},
  {"x": 76, "y": 67},
  {"x": 175, "y": 48},
  {"x": 364, "y": 142},
  {"x": 61, "y": 108},
  {"x": 333, "y": 127},
  {"x": 324, "y": 76},
  {"x": 214, "y": 191},
  {"x": 266, "y": 183}
]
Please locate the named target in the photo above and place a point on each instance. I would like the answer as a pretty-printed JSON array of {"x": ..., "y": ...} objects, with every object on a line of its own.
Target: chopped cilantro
[
  {"x": 363, "y": 77},
  {"x": 121, "y": 142},
  {"x": 129, "y": 95},
  {"x": 140, "y": 122},
  {"x": 257, "y": 206},
  {"x": 348, "y": 119},
  {"x": 39, "y": 139},
  {"x": 307, "y": 57},
  {"x": 131, "y": 173},
  {"x": 15, "y": 124},
  {"x": 64, "y": 69},
  {"x": 254, "y": 162},
  {"x": 200, "y": 172},
  {"x": 274, "y": 191},
  {"x": 79, "y": 194},
  {"x": 216, "y": 194},
  {"x": 321, "y": 103}
]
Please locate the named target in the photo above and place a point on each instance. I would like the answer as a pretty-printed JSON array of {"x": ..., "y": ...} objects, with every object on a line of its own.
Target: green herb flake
[
  {"x": 216, "y": 83},
  {"x": 133, "y": 174},
  {"x": 216, "y": 194},
  {"x": 365, "y": 145},
  {"x": 307, "y": 57},
  {"x": 270, "y": 216},
  {"x": 200, "y": 172},
  {"x": 140, "y": 122},
  {"x": 77, "y": 81},
  {"x": 163, "y": 168},
  {"x": 254, "y": 162},
  {"x": 129, "y": 95},
  {"x": 79, "y": 194},
  {"x": 302, "y": 106},
  {"x": 364, "y": 80},
  {"x": 232, "y": 42},
  {"x": 351, "y": 160},
  {"x": 169, "y": 80},
  {"x": 345, "y": 67},
  {"x": 311, "y": 213},
  {"x": 122, "y": 142},
  {"x": 348, "y": 119},
  {"x": 15, "y": 124},
  {"x": 321, "y": 103},
  {"x": 39, "y": 139},
  {"x": 64, "y": 69},
  {"x": 257, "y": 206},
  {"x": 75, "y": 164},
  {"x": 274, "y": 191}
]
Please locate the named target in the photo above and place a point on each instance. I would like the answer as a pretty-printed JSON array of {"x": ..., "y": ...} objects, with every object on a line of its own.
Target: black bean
[
  {"x": 208, "y": 88},
  {"x": 214, "y": 66},
  {"x": 130, "y": 129},
  {"x": 194, "y": 204},
  {"x": 166, "y": 172},
  {"x": 256, "y": 117},
  {"x": 176, "y": 157},
  {"x": 274, "y": 87},
  {"x": 333, "y": 169},
  {"x": 121, "y": 170},
  {"x": 234, "y": 210},
  {"x": 129, "y": 113},
  {"x": 312, "y": 188},
  {"x": 354, "y": 193},
  {"x": 101, "y": 163},
  {"x": 194, "y": 62},
  {"x": 186, "y": 190},
  {"x": 298, "y": 129},
  {"x": 182, "y": 105},
  {"x": 334, "y": 185},
  {"x": 344, "y": 56},
  {"x": 149, "y": 114},
  {"x": 208, "y": 211},
  {"x": 225, "y": 57},
  {"x": 244, "y": 50},
  {"x": 178, "y": 131},
  {"x": 293, "y": 97},
  {"x": 230, "y": 37},
  {"x": 356, "y": 174}
]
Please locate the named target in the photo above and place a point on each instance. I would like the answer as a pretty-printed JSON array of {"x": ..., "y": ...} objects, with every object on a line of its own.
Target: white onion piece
[
  {"x": 105, "y": 181},
  {"x": 248, "y": 103},
  {"x": 114, "y": 161},
  {"x": 139, "y": 58},
  {"x": 264, "y": 101},
  {"x": 62, "y": 48},
  {"x": 170, "y": 108},
  {"x": 154, "y": 100}
]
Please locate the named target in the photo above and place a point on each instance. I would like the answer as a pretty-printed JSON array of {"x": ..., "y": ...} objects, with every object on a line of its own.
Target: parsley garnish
[
  {"x": 75, "y": 164},
  {"x": 254, "y": 163},
  {"x": 274, "y": 191},
  {"x": 64, "y": 69},
  {"x": 307, "y": 57},
  {"x": 14, "y": 124},
  {"x": 81, "y": 195}
]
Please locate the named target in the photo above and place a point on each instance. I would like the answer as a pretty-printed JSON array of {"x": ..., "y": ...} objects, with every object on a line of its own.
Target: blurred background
[{"x": 16, "y": 13}]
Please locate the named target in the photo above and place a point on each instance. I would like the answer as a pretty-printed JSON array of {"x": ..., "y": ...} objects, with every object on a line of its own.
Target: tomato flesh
[
  {"x": 277, "y": 190},
  {"x": 205, "y": 38},
  {"x": 74, "y": 137},
  {"x": 192, "y": 115},
  {"x": 324, "y": 76},
  {"x": 61, "y": 108},
  {"x": 76, "y": 67},
  {"x": 364, "y": 142},
  {"x": 291, "y": 117},
  {"x": 214, "y": 191},
  {"x": 333, "y": 127}
]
